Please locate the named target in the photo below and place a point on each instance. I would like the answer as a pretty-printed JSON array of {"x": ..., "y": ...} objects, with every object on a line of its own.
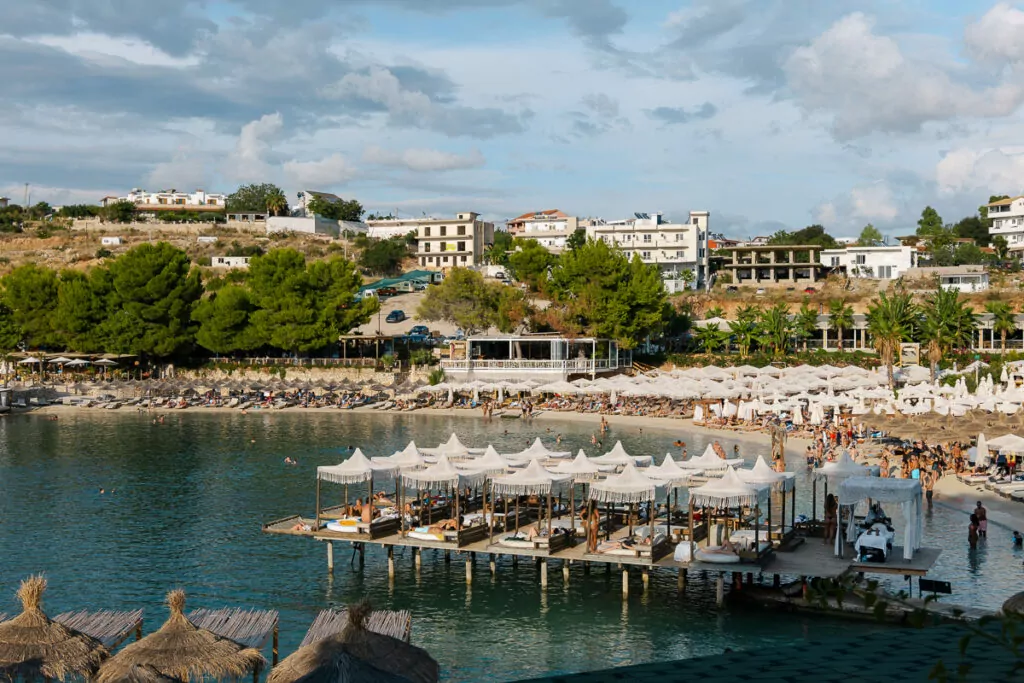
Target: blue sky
[{"x": 768, "y": 113}]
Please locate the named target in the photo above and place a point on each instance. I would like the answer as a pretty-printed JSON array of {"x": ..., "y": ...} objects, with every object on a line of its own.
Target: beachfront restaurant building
[{"x": 545, "y": 357}]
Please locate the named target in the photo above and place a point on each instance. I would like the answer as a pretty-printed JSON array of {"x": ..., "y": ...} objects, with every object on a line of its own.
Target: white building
[
  {"x": 301, "y": 209},
  {"x": 1007, "y": 216},
  {"x": 230, "y": 261},
  {"x": 171, "y": 200},
  {"x": 964, "y": 278},
  {"x": 444, "y": 243},
  {"x": 386, "y": 228},
  {"x": 673, "y": 247},
  {"x": 884, "y": 263},
  {"x": 312, "y": 225},
  {"x": 551, "y": 228},
  {"x": 4, "y": 202},
  {"x": 111, "y": 241}
]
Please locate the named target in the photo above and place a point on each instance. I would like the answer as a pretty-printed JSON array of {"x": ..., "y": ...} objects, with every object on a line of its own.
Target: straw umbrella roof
[
  {"x": 358, "y": 654},
  {"x": 1015, "y": 603},
  {"x": 34, "y": 646},
  {"x": 147, "y": 674},
  {"x": 182, "y": 650}
]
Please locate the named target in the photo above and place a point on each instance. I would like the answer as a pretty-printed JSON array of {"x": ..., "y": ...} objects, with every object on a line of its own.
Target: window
[
  {"x": 443, "y": 246},
  {"x": 834, "y": 261},
  {"x": 426, "y": 246},
  {"x": 696, "y": 221},
  {"x": 885, "y": 272},
  {"x": 445, "y": 259},
  {"x": 426, "y": 231},
  {"x": 444, "y": 230},
  {"x": 645, "y": 255},
  {"x": 647, "y": 239},
  {"x": 461, "y": 246},
  {"x": 679, "y": 237},
  {"x": 463, "y": 258},
  {"x": 861, "y": 259},
  {"x": 462, "y": 230},
  {"x": 680, "y": 254},
  {"x": 700, "y": 253}
]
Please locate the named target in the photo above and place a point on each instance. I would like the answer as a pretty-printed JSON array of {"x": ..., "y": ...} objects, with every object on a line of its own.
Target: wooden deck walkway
[
  {"x": 249, "y": 627},
  {"x": 107, "y": 626},
  {"x": 332, "y": 621}
]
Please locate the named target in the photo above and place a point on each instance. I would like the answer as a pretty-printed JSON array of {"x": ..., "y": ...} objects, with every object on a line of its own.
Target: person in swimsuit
[
  {"x": 972, "y": 532},
  {"x": 831, "y": 517},
  {"x": 982, "y": 515}
]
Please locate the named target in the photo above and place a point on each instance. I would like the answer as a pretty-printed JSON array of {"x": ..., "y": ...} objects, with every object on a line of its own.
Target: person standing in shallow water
[
  {"x": 972, "y": 532},
  {"x": 982, "y": 514}
]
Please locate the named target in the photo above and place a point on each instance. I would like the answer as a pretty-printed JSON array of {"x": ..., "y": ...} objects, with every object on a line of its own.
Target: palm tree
[
  {"x": 891, "y": 322},
  {"x": 710, "y": 337},
  {"x": 805, "y": 323},
  {"x": 744, "y": 328},
  {"x": 776, "y": 328},
  {"x": 840, "y": 318},
  {"x": 946, "y": 323},
  {"x": 1004, "y": 320},
  {"x": 276, "y": 202},
  {"x": 714, "y": 312}
]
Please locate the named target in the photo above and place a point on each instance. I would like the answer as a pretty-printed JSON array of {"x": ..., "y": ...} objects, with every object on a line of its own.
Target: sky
[{"x": 770, "y": 114}]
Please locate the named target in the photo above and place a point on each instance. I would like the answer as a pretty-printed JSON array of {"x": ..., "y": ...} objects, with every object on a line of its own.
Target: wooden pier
[{"x": 810, "y": 558}]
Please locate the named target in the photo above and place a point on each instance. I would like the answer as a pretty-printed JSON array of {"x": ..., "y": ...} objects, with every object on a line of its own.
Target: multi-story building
[
  {"x": 443, "y": 243},
  {"x": 386, "y": 228},
  {"x": 1007, "y": 216},
  {"x": 301, "y": 209},
  {"x": 551, "y": 228},
  {"x": 884, "y": 263},
  {"x": 171, "y": 200},
  {"x": 674, "y": 247},
  {"x": 4, "y": 202}
]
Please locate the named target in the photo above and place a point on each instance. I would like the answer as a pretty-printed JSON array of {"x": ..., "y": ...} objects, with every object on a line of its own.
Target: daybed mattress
[
  {"x": 349, "y": 525},
  {"x": 713, "y": 555}
]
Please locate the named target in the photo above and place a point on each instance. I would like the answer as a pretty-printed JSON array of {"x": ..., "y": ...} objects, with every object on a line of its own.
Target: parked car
[
  {"x": 500, "y": 275},
  {"x": 419, "y": 286},
  {"x": 387, "y": 291},
  {"x": 395, "y": 316},
  {"x": 419, "y": 334},
  {"x": 810, "y": 290}
]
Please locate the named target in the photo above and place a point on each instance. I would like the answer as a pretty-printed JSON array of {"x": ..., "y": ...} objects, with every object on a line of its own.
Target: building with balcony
[
  {"x": 1007, "y": 216},
  {"x": 883, "y": 263},
  {"x": 443, "y": 243},
  {"x": 770, "y": 265},
  {"x": 551, "y": 229},
  {"x": 674, "y": 247},
  {"x": 543, "y": 357},
  {"x": 170, "y": 200}
]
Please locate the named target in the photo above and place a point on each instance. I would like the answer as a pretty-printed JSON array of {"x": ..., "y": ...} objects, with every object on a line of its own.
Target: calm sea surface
[{"x": 189, "y": 496}]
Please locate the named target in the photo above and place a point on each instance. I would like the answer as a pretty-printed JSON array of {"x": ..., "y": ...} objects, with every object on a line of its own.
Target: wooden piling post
[
  {"x": 515, "y": 561},
  {"x": 362, "y": 555},
  {"x": 543, "y": 573},
  {"x": 565, "y": 571},
  {"x": 391, "y": 562},
  {"x": 417, "y": 554},
  {"x": 330, "y": 556},
  {"x": 625, "y": 582},
  {"x": 469, "y": 571},
  {"x": 720, "y": 589},
  {"x": 447, "y": 556},
  {"x": 646, "y": 576},
  {"x": 776, "y": 581},
  {"x": 586, "y": 567},
  {"x": 681, "y": 579},
  {"x": 494, "y": 569}
]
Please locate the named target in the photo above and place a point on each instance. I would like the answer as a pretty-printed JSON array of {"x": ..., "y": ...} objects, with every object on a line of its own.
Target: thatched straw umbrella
[
  {"x": 183, "y": 651},
  {"x": 357, "y": 654},
  {"x": 147, "y": 674},
  {"x": 33, "y": 646},
  {"x": 1014, "y": 604}
]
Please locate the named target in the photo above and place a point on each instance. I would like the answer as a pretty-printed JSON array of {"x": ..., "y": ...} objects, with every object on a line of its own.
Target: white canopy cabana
[
  {"x": 906, "y": 492},
  {"x": 709, "y": 462},
  {"x": 533, "y": 480},
  {"x": 357, "y": 469},
  {"x": 407, "y": 458},
  {"x": 670, "y": 473},
  {"x": 1011, "y": 443},
  {"x": 620, "y": 458},
  {"x": 729, "y": 491},
  {"x": 629, "y": 486},
  {"x": 840, "y": 469},
  {"x": 581, "y": 468},
  {"x": 453, "y": 448},
  {"x": 489, "y": 463},
  {"x": 440, "y": 475},
  {"x": 762, "y": 473},
  {"x": 537, "y": 451}
]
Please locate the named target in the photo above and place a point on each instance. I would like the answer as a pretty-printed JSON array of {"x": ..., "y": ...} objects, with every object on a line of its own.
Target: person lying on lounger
[
  {"x": 302, "y": 527},
  {"x": 443, "y": 525}
]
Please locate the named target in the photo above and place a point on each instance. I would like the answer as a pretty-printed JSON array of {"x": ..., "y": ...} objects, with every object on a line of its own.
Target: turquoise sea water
[{"x": 186, "y": 499}]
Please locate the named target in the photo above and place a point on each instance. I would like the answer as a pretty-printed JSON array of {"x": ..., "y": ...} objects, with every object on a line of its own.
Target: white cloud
[
  {"x": 868, "y": 84},
  {"x": 998, "y": 36},
  {"x": 99, "y": 47},
  {"x": 993, "y": 171},
  {"x": 324, "y": 173},
  {"x": 871, "y": 203},
  {"x": 187, "y": 169},
  {"x": 248, "y": 162},
  {"x": 382, "y": 87},
  {"x": 423, "y": 160}
]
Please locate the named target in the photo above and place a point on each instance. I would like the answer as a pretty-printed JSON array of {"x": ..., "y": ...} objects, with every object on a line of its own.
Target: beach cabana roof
[
  {"x": 670, "y": 472},
  {"x": 34, "y": 646},
  {"x": 729, "y": 491},
  {"x": 28, "y": 361},
  {"x": 358, "y": 468},
  {"x": 534, "y": 479},
  {"x": 491, "y": 462},
  {"x": 629, "y": 486},
  {"x": 842, "y": 468},
  {"x": 408, "y": 457},
  {"x": 581, "y": 467},
  {"x": 708, "y": 461},
  {"x": 619, "y": 457},
  {"x": 762, "y": 473},
  {"x": 181, "y": 650},
  {"x": 1010, "y": 443},
  {"x": 357, "y": 655},
  {"x": 441, "y": 474},
  {"x": 453, "y": 448},
  {"x": 538, "y": 451},
  {"x": 906, "y": 492}
]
